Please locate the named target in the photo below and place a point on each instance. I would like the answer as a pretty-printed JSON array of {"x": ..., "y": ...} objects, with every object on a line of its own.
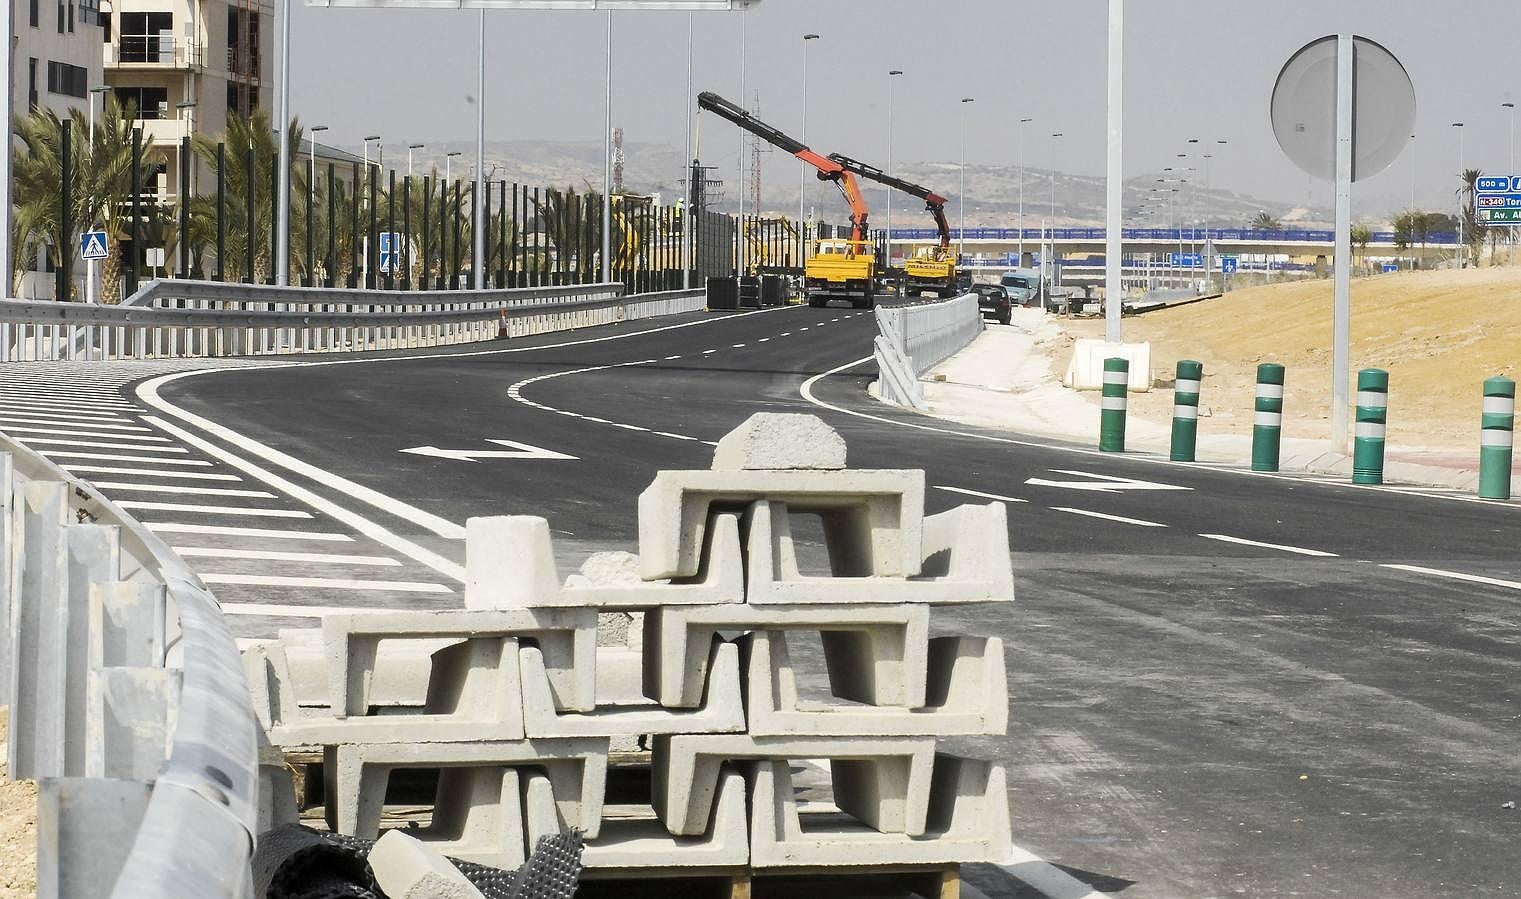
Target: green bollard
[
  {"x": 1372, "y": 419},
  {"x": 1496, "y": 438},
  {"x": 1268, "y": 424},
  {"x": 1112, "y": 416},
  {"x": 1185, "y": 410}
]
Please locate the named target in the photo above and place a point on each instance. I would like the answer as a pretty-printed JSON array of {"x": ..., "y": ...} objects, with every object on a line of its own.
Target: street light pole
[
  {"x": 364, "y": 261},
  {"x": 410, "y": 148},
  {"x": 1462, "y": 247},
  {"x": 607, "y": 160},
  {"x": 1114, "y": 174},
  {"x": 478, "y": 252},
  {"x": 802, "y": 175},
  {"x": 1019, "y": 156},
  {"x": 961, "y": 225},
  {"x": 282, "y": 128},
  {"x": 90, "y": 293},
  {"x": 689, "y": 218},
  {"x": 889, "y": 217}
]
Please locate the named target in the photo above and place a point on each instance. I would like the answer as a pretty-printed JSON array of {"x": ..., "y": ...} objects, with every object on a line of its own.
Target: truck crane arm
[
  {"x": 828, "y": 169},
  {"x": 933, "y": 202}
]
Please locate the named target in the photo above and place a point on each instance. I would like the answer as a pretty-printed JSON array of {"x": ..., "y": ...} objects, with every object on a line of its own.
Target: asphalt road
[{"x": 1221, "y": 683}]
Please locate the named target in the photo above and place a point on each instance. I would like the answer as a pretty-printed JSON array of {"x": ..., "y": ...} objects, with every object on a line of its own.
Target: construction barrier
[
  {"x": 1185, "y": 410},
  {"x": 1267, "y": 423},
  {"x": 1497, "y": 437}
]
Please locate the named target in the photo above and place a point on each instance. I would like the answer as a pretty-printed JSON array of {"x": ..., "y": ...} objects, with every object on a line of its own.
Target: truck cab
[
  {"x": 931, "y": 268},
  {"x": 841, "y": 269}
]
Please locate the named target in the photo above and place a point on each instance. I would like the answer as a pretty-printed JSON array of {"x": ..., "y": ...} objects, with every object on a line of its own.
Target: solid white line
[
  {"x": 676, "y": 436},
  {"x": 111, "y": 457},
  {"x": 1046, "y": 878},
  {"x": 1457, "y": 576},
  {"x": 59, "y": 421},
  {"x": 52, "y": 411},
  {"x": 213, "y": 510},
  {"x": 363, "y": 525},
  {"x": 736, "y": 346},
  {"x": 785, "y": 334},
  {"x": 270, "y": 555},
  {"x": 1288, "y": 549},
  {"x": 146, "y": 473},
  {"x": 709, "y": 352},
  {"x": 279, "y": 611},
  {"x": 671, "y": 358},
  {"x": 135, "y": 447},
  {"x": 164, "y": 527},
  {"x": 979, "y": 493},
  {"x": 71, "y": 432},
  {"x": 1120, "y": 518},
  {"x": 763, "y": 340},
  {"x": 331, "y": 583},
  {"x": 196, "y": 490}
]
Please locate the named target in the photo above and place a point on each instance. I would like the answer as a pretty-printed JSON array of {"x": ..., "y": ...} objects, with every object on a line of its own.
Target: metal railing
[
  {"x": 1173, "y": 235},
  {"x": 179, "y": 319},
  {"x": 914, "y": 339},
  {"x": 127, "y": 699},
  {"x": 153, "y": 50}
]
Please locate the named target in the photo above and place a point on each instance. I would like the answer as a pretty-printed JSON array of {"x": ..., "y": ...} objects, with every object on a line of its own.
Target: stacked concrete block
[{"x": 517, "y": 703}]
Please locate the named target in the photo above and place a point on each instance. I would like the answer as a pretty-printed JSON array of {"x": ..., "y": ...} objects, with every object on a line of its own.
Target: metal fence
[
  {"x": 127, "y": 701},
  {"x": 178, "y": 319},
  {"x": 1199, "y": 235},
  {"x": 914, "y": 339}
]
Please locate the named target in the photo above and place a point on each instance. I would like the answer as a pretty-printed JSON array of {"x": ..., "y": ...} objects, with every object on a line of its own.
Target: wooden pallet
[{"x": 879, "y": 882}]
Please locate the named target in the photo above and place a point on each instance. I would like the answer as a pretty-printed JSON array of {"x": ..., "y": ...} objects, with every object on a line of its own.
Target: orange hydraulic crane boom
[
  {"x": 933, "y": 202},
  {"x": 828, "y": 168}
]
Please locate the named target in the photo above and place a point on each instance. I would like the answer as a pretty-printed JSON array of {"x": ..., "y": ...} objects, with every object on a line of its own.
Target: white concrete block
[
  {"x": 968, "y": 822},
  {"x": 721, "y": 711},
  {"x": 568, "y": 638},
  {"x": 966, "y": 693},
  {"x": 880, "y": 781},
  {"x": 876, "y": 654},
  {"x": 788, "y": 440},
  {"x": 402, "y": 669},
  {"x": 130, "y": 716},
  {"x": 1085, "y": 371},
  {"x": 357, "y": 774},
  {"x": 406, "y": 868},
  {"x": 872, "y": 519},
  {"x": 965, "y": 559},
  {"x": 510, "y": 565},
  {"x": 634, "y": 838}
]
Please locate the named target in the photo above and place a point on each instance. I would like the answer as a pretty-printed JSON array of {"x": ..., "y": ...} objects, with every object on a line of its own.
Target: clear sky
[{"x": 1194, "y": 68}]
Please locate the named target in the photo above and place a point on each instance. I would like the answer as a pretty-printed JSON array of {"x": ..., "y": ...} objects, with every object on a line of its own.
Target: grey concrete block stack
[{"x": 517, "y": 705}]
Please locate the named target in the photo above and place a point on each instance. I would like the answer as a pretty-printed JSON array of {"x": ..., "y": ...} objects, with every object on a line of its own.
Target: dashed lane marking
[
  {"x": 1107, "y": 517},
  {"x": 1458, "y": 576},
  {"x": 979, "y": 493},
  {"x": 1299, "y": 550}
]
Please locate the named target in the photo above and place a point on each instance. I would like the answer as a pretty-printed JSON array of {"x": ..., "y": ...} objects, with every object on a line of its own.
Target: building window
[
  {"x": 71, "y": 81},
  {"x": 31, "y": 84},
  {"x": 150, "y": 102},
  {"x": 71, "y": 16},
  {"x": 35, "y": 12},
  {"x": 147, "y": 37},
  {"x": 61, "y": 16}
]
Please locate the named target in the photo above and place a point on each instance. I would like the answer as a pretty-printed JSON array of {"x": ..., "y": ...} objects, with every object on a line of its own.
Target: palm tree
[
  {"x": 1362, "y": 235},
  {"x": 1473, "y": 229},
  {"x": 1264, "y": 222}
]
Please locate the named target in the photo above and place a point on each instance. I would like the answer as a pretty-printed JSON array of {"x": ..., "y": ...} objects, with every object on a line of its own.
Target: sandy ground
[
  {"x": 1439, "y": 334},
  {"x": 18, "y": 829}
]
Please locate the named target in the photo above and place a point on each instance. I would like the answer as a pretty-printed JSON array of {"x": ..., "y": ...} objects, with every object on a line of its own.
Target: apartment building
[{"x": 57, "y": 56}]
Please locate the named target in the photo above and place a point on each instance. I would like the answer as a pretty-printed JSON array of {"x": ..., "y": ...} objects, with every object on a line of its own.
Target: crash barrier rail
[
  {"x": 179, "y": 319},
  {"x": 1249, "y": 235},
  {"x": 127, "y": 700},
  {"x": 914, "y": 339}
]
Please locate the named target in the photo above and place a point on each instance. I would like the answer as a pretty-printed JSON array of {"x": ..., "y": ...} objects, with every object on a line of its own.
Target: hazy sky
[{"x": 1194, "y": 68}]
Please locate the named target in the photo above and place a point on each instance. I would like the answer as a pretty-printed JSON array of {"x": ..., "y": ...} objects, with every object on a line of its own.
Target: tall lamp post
[
  {"x": 1019, "y": 156},
  {"x": 1511, "y": 170},
  {"x": 1462, "y": 247},
  {"x": 90, "y": 295},
  {"x": 449, "y": 165},
  {"x": 1052, "y": 222},
  {"x": 311, "y": 153},
  {"x": 802, "y": 174},
  {"x": 364, "y": 259},
  {"x": 889, "y": 217},
  {"x": 961, "y": 225},
  {"x": 607, "y": 160},
  {"x": 410, "y": 148}
]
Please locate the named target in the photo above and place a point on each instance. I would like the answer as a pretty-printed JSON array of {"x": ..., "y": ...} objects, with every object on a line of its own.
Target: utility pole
[
  {"x": 1115, "y": 174},
  {"x": 961, "y": 225},
  {"x": 1019, "y": 155}
]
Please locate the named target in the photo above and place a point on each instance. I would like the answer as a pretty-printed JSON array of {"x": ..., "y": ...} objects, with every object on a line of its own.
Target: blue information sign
[
  {"x": 1227, "y": 265},
  {"x": 1497, "y": 201},
  {"x": 1498, "y": 184},
  {"x": 92, "y": 245},
  {"x": 1186, "y": 260},
  {"x": 1391, "y": 267},
  {"x": 390, "y": 244}
]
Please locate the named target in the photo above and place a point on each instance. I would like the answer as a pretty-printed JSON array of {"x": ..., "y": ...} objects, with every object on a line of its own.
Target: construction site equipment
[
  {"x": 839, "y": 269},
  {"x": 930, "y": 268}
]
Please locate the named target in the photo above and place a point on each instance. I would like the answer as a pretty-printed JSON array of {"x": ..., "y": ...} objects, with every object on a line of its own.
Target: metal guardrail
[
  {"x": 127, "y": 701},
  {"x": 1199, "y": 235},
  {"x": 178, "y": 319},
  {"x": 914, "y": 339}
]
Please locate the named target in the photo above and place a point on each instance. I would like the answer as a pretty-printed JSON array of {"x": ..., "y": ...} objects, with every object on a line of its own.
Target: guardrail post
[
  {"x": 1372, "y": 419},
  {"x": 1112, "y": 415},
  {"x": 1267, "y": 428},
  {"x": 1497, "y": 437},
  {"x": 1185, "y": 410}
]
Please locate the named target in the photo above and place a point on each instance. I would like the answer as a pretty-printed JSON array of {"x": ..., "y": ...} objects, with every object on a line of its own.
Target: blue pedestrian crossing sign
[
  {"x": 92, "y": 245},
  {"x": 390, "y": 248},
  {"x": 1227, "y": 265}
]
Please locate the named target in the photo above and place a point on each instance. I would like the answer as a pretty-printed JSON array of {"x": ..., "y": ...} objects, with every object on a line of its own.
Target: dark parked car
[{"x": 993, "y": 301}]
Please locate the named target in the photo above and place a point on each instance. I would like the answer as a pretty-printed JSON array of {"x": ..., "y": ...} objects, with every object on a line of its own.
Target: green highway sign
[{"x": 1499, "y": 216}]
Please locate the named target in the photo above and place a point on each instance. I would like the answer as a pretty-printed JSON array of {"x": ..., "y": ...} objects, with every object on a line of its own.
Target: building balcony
[
  {"x": 163, "y": 133},
  {"x": 153, "y": 51}
]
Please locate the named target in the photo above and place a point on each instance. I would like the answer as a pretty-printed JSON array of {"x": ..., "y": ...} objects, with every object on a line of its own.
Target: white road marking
[
  {"x": 212, "y": 510},
  {"x": 763, "y": 340},
  {"x": 135, "y": 447},
  {"x": 165, "y": 527},
  {"x": 785, "y": 334},
  {"x": 61, "y": 422},
  {"x": 180, "y": 488},
  {"x": 671, "y": 358},
  {"x": 802, "y": 329},
  {"x": 674, "y": 436},
  {"x": 147, "y": 473},
  {"x": 270, "y": 555},
  {"x": 1288, "y": 549},
  {"x": 518, "y": 451},
  {"x": 736, "y": 346},
  {"x": 709, "y": 352},
  {"x": 331, "y": 583},
  {"x": 1120, "y": 518},
  {"x": 111, "y": 457},
  {"x": 979, "y": 493},
  {"x": 1458, "y": 576},
  {"x": 64, "y": 400},
  {"x": 52, "y": 410},
  {"x": 279, "y": 611},
  {"x": 72, "y": 432},
  {"x": 1104, "y": 483},
  {"x": 1046, "y": 878}
]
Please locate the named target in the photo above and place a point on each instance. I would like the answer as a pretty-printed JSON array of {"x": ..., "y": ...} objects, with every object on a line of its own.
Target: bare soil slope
[{"x": 1439, "y": 334}]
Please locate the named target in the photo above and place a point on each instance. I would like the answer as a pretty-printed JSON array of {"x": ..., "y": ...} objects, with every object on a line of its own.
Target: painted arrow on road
[
  {"x": 518, "y": 451},
  {"x": 1102, "y": 483}
]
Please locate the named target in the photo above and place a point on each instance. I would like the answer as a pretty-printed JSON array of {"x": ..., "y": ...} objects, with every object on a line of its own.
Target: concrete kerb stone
[
  {"x": 964, "y": 559},
  {"x": 882, "y": 782},
  {"x": 776, "y": 441},
  {"x": 406, "y": 868},
  {"x": 966, "y": 694},
  {"x": 876, "y": 654},
  {"x": 878, "y": 514}
]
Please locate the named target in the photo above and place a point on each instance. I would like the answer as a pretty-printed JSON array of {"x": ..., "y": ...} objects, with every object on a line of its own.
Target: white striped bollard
[
  {"x": 1372, "y": 420},
  {"x": 1496, "y": 438},
  {"x": 1267, "y": 425},
  {"x": 1185, "y": 410},
  {"x": 1112, "y": 414}
]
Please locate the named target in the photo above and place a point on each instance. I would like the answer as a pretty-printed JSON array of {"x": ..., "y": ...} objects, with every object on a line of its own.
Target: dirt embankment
[
  {"x": 18, "y": 829},
  {"x": 1439, "y": 334}
]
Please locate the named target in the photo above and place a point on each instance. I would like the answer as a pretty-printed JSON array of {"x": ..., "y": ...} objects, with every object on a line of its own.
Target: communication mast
[
  {"x": 756, "y": 145},
  {"x": 617, "y": 160}
]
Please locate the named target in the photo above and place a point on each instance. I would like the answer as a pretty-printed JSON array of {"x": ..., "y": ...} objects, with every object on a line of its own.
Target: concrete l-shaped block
[
  {"x": 876, "y": 654},
  {"x": 722, "y": 710},
  {"x": 403, "y": 669},
  {"x": 473, "y": 785},
  {"x": 642, "y": 841},
  {"x": 567, "y": 637},
  {"x": 965, "y": 558},
  {"x": 965, "y": 693},
  {"x": 968, "y": 822},
  {"x": 873, "y": 520},
  {"x": 510, "y": 564},
  {"x": 881, "y": 782}
]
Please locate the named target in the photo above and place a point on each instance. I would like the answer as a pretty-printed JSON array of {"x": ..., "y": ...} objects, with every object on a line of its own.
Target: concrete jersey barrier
[{"x": 914, "y": 339}]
